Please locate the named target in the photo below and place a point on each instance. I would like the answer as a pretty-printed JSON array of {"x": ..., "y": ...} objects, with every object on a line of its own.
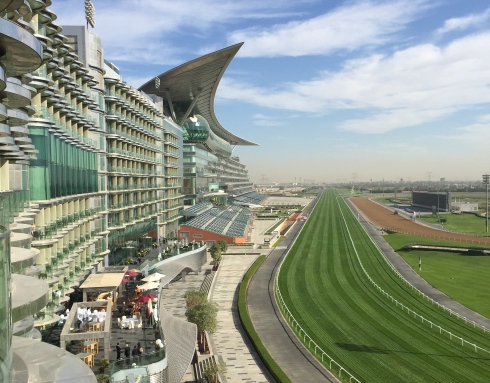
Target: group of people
[{"x": 128, "y": 353}]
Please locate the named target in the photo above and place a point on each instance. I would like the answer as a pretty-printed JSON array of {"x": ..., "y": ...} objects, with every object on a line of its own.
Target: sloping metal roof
[{"x": 198, "y": 78}]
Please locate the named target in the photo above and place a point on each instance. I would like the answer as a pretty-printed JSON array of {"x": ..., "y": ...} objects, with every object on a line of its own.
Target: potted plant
[
  {"x": 103, "y": 378},
  {"x": 104, "y": 363}
]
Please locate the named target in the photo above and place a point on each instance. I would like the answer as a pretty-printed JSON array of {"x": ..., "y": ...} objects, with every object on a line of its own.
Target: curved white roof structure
[{"x": 192, "y": 86}]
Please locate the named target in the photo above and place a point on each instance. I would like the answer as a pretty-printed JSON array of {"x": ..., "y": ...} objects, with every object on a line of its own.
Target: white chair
[
  {"x": 123, "y": 317},
  {"x": 119, "y": 323},
  {"x": 140, "y": 324}
]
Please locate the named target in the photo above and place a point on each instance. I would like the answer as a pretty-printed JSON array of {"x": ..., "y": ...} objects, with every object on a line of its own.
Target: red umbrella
[
  {"x": 131, "y": 273},
  {"x": 152, "y": 296},
  {"x": 125, "y": 280},
  {"x": 143, "y": 299}
]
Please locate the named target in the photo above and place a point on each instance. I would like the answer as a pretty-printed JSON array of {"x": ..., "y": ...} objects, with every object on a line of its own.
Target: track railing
[
  {"x": 399, "y": 304},
  {"x": 448, "y": 310},
  {"x": 302, "y": 334}
]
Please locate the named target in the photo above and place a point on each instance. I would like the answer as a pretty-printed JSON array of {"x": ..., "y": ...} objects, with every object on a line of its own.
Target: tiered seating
[
  {"x": 199, "y": 208},
  {"x": 253, "y": 197},
  {"x": 218, "y": 225},
  {"x": 202, "y": 220},
  {"x": 231, "y": 222}
]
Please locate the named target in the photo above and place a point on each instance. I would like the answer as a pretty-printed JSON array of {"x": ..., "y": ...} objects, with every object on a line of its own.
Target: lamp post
[{"x": 486, "y": 179}]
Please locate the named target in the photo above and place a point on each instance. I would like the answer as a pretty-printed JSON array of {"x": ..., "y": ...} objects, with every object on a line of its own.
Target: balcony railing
[{"x": 140, "y": 361}]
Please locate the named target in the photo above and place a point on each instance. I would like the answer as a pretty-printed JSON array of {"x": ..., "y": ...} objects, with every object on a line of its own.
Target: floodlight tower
[{"x": 486, "y": 179}]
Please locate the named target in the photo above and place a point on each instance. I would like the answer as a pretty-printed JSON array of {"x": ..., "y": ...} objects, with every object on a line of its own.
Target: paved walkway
[{"x": 230, "y": 341}]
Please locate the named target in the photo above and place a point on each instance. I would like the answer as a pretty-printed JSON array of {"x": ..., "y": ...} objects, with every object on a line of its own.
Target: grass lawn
[
  {"x": 465, "y": 223},
  {"x": 326, "y": 283},
  {"x": 462, "y": 277}
]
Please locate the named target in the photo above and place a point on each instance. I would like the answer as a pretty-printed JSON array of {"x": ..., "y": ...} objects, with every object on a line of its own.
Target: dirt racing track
[{"x": 385, "y": 219}]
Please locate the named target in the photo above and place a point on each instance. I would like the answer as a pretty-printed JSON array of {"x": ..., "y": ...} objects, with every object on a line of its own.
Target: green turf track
[{"x": 328, "y": 293}]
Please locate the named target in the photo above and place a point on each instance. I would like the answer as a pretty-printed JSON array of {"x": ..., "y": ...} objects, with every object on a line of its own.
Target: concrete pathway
[{"x": 230, "y": 341}]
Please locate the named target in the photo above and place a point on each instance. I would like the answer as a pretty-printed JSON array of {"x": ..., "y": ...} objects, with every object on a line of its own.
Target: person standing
[
  {"x": 127, "y": 352},
  {"x": 134, "y": 353},
  {"x": 118, "y": 351},
  {"x": 140, "y": 349}
]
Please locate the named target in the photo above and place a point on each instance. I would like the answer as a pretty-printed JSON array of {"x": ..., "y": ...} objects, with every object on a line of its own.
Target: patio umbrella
[
  {"x": 131, "y": 273},
  {"x": 147, "y": 294},
  {"x": 143, "y": 299},
  {"x": 149, "y": 286},
  {"x": 153, "y": 277}
]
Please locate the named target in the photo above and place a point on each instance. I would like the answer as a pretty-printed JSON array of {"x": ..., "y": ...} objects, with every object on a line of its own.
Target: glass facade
[
  {"x": 61, "y": 168},
  {"x": 5, "y": 316}
]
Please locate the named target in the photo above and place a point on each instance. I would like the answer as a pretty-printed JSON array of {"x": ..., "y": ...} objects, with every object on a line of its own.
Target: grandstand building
[
  {"x": 211, "y": 172},
  {"x": 213, "y": 178}
]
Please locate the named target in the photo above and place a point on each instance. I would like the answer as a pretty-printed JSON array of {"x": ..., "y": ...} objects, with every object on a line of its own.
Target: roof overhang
[{"x": 194, "y": 85}]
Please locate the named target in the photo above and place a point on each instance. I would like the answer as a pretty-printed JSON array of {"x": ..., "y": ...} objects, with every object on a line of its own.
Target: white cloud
[
  {"x": 135, "y": 30},
  {"x": 349, "y": 27},
  {"x": 476, "y": 134},
  {"x": 263, "y": 120},
  {"x": 411, "y": 87},
  {"x": 466, "y": 22}
]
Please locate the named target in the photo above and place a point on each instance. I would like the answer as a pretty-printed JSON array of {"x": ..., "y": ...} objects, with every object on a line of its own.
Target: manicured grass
[
  {"x": 271, "y": 365},
  {"x": 464, "y": 223},
  {"x": 462, "y": 277},
  {"x": 397, "y": 241},
  {"x": 330, "y": 295}
]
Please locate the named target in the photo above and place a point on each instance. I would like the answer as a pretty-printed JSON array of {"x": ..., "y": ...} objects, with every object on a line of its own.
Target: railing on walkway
[{"x": 138, "y": 361}]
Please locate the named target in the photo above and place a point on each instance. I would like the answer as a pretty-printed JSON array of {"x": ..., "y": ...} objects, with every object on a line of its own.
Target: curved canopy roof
[{"x": 193, "y": 85}]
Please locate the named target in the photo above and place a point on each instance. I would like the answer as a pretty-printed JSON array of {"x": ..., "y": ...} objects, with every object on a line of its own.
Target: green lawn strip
[
  {"x": 398, "y": 240},
  {"x": 264, "y": 355},
  {"x": 464, "y": 278},
  {"x": 326, "y": 291},
  {"x": 410, "y": 296},
  {"x": 464, "y": 223}
]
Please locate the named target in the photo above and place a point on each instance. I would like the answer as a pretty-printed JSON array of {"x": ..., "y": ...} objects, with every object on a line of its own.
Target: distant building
[{"x": 461, "y": 207}]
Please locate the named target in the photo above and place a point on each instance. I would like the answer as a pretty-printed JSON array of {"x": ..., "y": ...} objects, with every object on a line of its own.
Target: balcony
[{"x": 120, "y": 369}]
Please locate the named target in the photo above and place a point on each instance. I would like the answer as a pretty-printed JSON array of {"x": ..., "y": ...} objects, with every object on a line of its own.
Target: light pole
[{"x": 486, "y": 179}]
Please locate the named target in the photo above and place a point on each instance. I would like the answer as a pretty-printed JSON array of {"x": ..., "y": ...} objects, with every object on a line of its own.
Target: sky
[{"x": 332, "y": 91}]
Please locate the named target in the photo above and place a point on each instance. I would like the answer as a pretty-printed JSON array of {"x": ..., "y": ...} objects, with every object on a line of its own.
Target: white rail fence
[
  {"x": 448, "y": 310},
  {"x": 401, "y": 305},
  {"x": 305, "y": 338}
]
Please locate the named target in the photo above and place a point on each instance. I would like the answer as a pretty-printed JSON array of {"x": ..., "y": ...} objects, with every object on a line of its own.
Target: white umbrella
[
  {"x": 153, "y": 277},
  {"x": 149, "y": 286}
]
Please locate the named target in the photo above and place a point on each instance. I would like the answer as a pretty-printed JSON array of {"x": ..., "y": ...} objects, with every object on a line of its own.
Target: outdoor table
[
  {"x": 126, "y": 322},
  {"x": 89, "y": 346},
  {"x": 87, "y": 358}
]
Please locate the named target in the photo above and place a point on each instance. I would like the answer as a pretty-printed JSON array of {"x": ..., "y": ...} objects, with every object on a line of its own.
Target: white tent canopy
[
  {"x": 153, "y": 277},
  {"x": 149, "y": 286}
]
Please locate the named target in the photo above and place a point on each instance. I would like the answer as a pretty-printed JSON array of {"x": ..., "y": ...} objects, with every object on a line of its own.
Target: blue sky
[{"x": 331, "y": 90}]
